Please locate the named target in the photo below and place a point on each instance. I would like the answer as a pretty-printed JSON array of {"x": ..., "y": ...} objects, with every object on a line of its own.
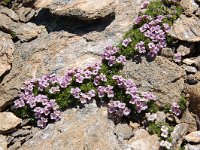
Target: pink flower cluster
[
  {"x": 175, "y": 109},
  {"x": 156, "y": 31},
  {"x": 88, "y": 73},
  {"x": 177, "y": 57},
  {"x": 103, "y": 90},
  {"x": 44, "y": 109},
  {"x": 118, "y": 108},
  {"x": 83, "y": 97},
  {"x": 126, "y": 42},
  {"x": 110, "y": 54},
  {"x": 139, "y": 100}
]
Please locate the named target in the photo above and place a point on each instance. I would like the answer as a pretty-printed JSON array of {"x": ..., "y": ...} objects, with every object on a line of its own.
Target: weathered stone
[
  {"x": 184, "y": 49},
  {"x": 43, "y": 3},
  {"x": 82, "y": 9},
  {"x": 6, "y": 54},
  {"x": 168, "y": 53},
  {"x": 177, "y": 135},
  {"x": 134, "y": 125},
  {"x": 9, "y": 12},
  {"x": 188, "y": 61},
  {"x": 161, "y": 116},
  {"x": 189, "y": 6},
  {"x": 15, "y": 146},
  {"x": 194, "y": 98},
  {"x": 172, "y": 118},
  {"x": 193, "y": 78},
  {"x": 192, "y": 147},
  {"x": 21, "y": 133},
  {"x": 186, "y": 29},
  {"x": 86, "y": 128},
  {"x": 25, "y": 13},
  {"x": 57, "y": 51},
  {"x": 143, "y": 141},
  {"x": 123, "y": 131},
  {"x": 190, "y": 120},
  {"x": 24, "y": 32},
  {"x": 161, "y": 77},
  {"x": 197, "y": 62},
  {"x": 3, "y": 143},
  {"x": 29, "y": 31},
  {"x": 8, "y": 122},
  {"x": 193, "y": 137},
  {"x": 190, "y": 69}
]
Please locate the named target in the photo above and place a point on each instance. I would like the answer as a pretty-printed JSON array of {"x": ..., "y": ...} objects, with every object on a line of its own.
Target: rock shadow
[{"x": 72, "y": 25}]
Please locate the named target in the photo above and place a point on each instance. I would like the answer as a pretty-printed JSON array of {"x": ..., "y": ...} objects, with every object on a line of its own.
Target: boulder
[
  {"x": 177, "y": 135},
  {"x": 185, "y": 49},
  {"x": 188, "y": 118},
  {"x": 186, "y": 29},
  {"x": 193, "y": 137},
  {"x": 190, "y": 69},
  {"x": 86, "y": 128},
  {"x": 192, "y": 147},
  {"x": 25, "y": 32},
  {"x": 42, "y": 3},
  {"x": 161, "y": 77},
  {"x": 194, "y": 98},
  {"x": 8, "y": 122},
  {"x": 9, "y": 12},
  {"x": 189, "y": 6},
  {"x": 25, "y": 13},
  {"x": 3, "y": 143},
  {"x": 123, "y": 131},
  {"x": 6, "y": 54},
  {"x": 143, "y": 141},
  {"x": 82, "y": 9}
]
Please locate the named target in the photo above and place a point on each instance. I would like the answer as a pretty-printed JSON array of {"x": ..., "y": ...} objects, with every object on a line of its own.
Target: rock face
[
  {"x": 194, "y": 103},
  {"x": 9, "y": 12},
  {"x": 87, "y": 128},
  {"x": 192, "y": 147},
  {"x": 3, "y": 143},
  {"x": 82, "y": 9},
  {"x": 56, "y": 51},
  {"x": 186, "y": 29},
  {"x": 25, "y": 32},
  {"x": 6, "y": 54},
  {"x": 189, "y": 6},
  {"x": 190, "y": 120},
  {"x": 193, "y": 137},
  {"x": 143, "y": 141},
  {"x": 161, "y": 77},
  {"x": 177, "y": 135},
  {"x": 8, "y": 122}
]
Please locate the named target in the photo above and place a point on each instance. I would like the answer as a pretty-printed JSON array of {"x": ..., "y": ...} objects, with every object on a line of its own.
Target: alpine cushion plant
[{"x": 43, "y": 99}]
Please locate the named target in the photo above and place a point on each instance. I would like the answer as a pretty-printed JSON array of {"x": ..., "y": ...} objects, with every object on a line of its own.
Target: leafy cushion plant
[{"x": 43, "y": 99}]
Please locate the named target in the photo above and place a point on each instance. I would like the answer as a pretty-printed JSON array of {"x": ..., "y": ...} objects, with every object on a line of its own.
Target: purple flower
[
  {"x": 126, "y": 111},
  {"x": 19, "y": 103},
  {"x": 144, "y": 5},
  {"x": 126, "y": 42},
  {"x": 175, "y": 109},
  {"x": 87, "y": 74},
  {"x": 140, "y": 47},
  {"x": 42, "y": 122},
  {"x": 55, "y": 115},
  {"x": 177, "y": 57},
  {"x": 79, "y": 78},
  {"x": 75, "y": 92},
  {"x": 53, "y": 90},
  {"x": 148, "y": 95},
  {"x": 121, "y": 59}
]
